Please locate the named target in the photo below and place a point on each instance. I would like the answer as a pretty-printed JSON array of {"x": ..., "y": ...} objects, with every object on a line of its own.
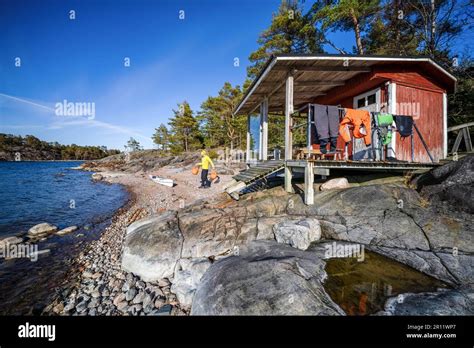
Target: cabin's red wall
[
  {"x": 429, "y": 106},
  {"x": 412, "y": 86}
]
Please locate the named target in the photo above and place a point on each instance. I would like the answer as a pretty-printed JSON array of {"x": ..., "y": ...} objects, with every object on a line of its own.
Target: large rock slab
[
  {"x": 396, "y": 221},
  {"x": 298, "y": 233},
  {"x": 266, "y": 278},
  {"x": 444, "y": 302},
  {"x": 452, "y": 183},
  {"x": 152, "y": 247},
  {"x": 211, "y": 231},
  {"x": 187, "y": 276}
]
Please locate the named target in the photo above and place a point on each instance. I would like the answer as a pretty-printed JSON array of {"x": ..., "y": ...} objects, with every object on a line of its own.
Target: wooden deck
[{"x": 263, "y": 169}]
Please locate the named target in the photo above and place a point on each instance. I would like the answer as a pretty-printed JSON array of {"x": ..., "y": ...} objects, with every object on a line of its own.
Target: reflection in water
[{"x": 362, "y": 288}]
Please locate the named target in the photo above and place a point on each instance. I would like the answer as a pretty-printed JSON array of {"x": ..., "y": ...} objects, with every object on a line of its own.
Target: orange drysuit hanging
[{"x": 357, "y": 118}]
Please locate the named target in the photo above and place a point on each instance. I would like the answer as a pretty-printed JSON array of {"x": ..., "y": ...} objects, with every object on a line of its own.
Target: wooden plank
[{"x": 458, "y": 127}]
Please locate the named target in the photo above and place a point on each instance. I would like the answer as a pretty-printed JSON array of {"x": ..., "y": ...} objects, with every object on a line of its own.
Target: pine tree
[
  {"x": 289, "y": 32},
  {"x": 392, "y": 31},
  {"x": 133, "y": 145},
  {"x": 220, "y": 126},
  {"x": 347, "y": 15},
  {"x": 185, "y": 133},
  {"x": 161, "y": 137}
]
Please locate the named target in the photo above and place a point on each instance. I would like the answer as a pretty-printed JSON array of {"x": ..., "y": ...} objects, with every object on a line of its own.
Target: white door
[{"x": 369, "y": 101}]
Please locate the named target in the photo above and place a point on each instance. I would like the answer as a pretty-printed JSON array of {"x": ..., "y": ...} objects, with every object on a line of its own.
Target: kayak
[{"x": 162, "y": 181}]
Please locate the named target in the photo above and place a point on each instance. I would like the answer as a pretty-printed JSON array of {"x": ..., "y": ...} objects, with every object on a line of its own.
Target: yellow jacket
[{"x": 205, "y": 161}]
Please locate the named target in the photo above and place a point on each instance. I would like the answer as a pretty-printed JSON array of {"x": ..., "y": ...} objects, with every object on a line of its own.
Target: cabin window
[
  {"x": 361, "y": 103},
  {"x": 371, "y": 99}
]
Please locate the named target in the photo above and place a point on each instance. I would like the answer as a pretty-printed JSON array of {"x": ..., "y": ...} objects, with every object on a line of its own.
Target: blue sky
[{"x": 82, "y": 60}]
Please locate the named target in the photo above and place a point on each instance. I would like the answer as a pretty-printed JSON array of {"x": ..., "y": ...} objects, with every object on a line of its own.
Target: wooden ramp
[{"x": 255, "y": 173}]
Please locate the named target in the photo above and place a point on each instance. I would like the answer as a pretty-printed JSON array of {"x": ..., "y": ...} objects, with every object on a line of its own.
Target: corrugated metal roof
[{"x": 316, "y": 75}]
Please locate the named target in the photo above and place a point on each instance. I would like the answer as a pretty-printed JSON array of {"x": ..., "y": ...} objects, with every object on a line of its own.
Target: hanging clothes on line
[
  {"x": 404, "y": 125},
  {"x": 384, "y": 123},
  {"x": 326, "y": 121},
  {"x": 360, "y": 120}
]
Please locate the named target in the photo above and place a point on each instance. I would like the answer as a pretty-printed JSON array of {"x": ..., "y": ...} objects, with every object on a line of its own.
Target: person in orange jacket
[{"x": 360, "y": 119}]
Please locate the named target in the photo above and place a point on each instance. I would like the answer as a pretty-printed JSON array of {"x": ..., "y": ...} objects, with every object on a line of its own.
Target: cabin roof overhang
[{"x": 315, "y": 76}]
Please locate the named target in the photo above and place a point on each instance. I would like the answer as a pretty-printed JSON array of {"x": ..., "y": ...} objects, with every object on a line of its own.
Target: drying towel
[
  {"x": 404, "y": 125},
  {"x": 360, "y": 119}
]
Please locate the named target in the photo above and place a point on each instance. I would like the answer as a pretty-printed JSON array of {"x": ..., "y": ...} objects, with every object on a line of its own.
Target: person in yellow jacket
[{"x": 205, "y": 162}]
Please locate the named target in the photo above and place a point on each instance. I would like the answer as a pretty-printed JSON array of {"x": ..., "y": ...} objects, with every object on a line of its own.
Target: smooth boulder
[
  {"x": 187, "y": 276},
  {"x": 152, "y": 247},
  {"x": 338, "y": 183},
  {"x": 265, "y": 278},
  {"x": 66, "y": 230},
  {"x": 298, "y": 233},
  {"x": 42, "y": 229}
]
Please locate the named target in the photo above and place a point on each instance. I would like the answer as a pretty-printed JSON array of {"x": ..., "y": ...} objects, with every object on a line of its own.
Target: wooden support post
[
  {"x": 264, "y": 125},
  {"x": 260, "y": 133},
  {"x": 288, "y": 131},
  {"x": 249, "y": 140},
  {"x": 309, "y": 184},
  {"x": 308, "y": 132}
]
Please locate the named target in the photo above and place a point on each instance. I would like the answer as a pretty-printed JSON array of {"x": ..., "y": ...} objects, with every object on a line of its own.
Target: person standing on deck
[{"x": 205, "y": 162}]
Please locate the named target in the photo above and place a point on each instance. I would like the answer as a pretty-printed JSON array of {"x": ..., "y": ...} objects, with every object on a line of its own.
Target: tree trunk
[
  {"x": 360, "y": 48},
  {"x": 433, "y": 28}
]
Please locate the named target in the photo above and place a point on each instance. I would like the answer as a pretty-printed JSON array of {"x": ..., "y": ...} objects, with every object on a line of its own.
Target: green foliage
[
  {"x": 380, "y": 27},
  {"x": 289, "y": 32},
  {"x": 392, "y": 31},
  {"x": 133, "y": 145},
  {"x": 219, "y": 126},
  {"x": 32, "y": 148},
  {"x": 347, "y": 15},
  {"x": 162, "y": 137},
  {"x": 185, "y": 132},
  {"x": 213, "y": 154},
  {"x": 461, "y": 103}
]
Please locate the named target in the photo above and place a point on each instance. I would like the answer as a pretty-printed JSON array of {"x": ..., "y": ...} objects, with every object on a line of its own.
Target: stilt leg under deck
[
  {"x": 309, "y": 184},
  {"x": 288, "y": 177},
  {"x": 288, "y": 130}
]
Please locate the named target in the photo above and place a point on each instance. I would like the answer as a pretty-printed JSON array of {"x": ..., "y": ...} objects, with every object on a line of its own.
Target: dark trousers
[
  {"x": 204, "y": 181},
  {"x": 326, "y": 120}
]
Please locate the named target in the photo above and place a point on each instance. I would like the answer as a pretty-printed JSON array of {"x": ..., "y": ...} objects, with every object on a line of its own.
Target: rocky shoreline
[
  {"x": 100, "y": 287},
  {"x": 263, "y": 255}
]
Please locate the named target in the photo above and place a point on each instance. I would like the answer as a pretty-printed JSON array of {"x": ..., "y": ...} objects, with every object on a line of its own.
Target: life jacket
[{"x": 357, "y": 118}]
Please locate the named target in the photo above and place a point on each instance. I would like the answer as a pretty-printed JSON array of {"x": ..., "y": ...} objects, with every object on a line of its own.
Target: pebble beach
[{"x": 98, "y": 285}]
